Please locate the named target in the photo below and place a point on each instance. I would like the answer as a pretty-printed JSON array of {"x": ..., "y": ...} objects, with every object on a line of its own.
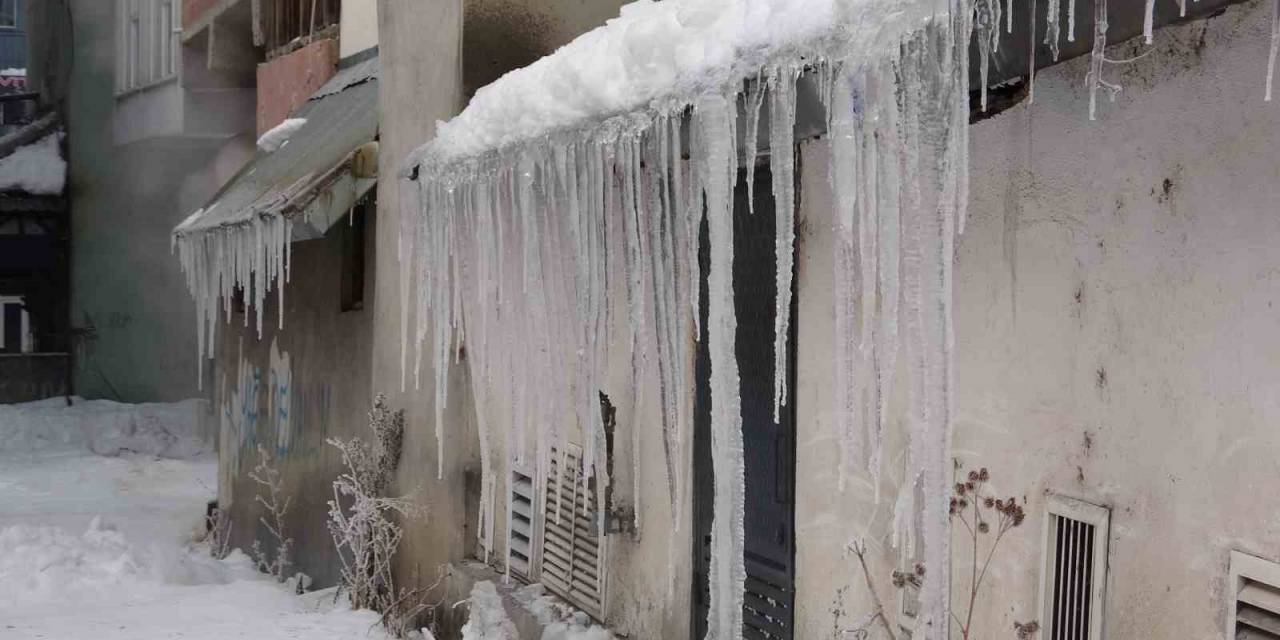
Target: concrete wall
[
  {"x": 289, "y": 391},
  {"x": 420, "y": 81},
  {"x": 358, "y": 29},
  {"x": 1115, "y": 337},
  {"x": 127, "y": 292}
]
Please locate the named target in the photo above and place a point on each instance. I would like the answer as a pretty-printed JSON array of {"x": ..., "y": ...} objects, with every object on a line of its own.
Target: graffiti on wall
[{"x": 279, "y": 399}]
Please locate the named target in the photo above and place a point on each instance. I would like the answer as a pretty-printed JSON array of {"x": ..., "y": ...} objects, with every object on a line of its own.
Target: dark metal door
[{"x": 770, "y": 448}]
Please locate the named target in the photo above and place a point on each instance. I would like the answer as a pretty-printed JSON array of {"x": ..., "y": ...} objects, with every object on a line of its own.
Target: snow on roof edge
[{"x": 659, "y": 57}]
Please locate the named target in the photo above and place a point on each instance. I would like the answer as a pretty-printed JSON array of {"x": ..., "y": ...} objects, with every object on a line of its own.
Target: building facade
[{"x": 1112, "y": 356}]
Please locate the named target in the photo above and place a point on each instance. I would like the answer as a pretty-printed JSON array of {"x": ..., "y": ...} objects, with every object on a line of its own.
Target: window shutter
[{"x": 572, "y": 550}]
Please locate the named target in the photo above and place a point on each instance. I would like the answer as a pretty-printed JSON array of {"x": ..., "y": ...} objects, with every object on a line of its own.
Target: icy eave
[{"x": 657, "y": 58}]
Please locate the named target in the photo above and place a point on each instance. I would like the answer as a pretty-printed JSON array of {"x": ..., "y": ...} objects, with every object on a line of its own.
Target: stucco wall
[{"x": 1115, "y": 337}]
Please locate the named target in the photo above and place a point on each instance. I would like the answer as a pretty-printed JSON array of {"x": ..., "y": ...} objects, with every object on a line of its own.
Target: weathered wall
[
  {"x": 289, "y": 391},
  {"x": 127, "y": 291},
  {"x": 1115, "y": 337},
  {"x": 501, "y": 35},
  {"x": 419, "y": 45},
  {"x": 358, "y": 29}
]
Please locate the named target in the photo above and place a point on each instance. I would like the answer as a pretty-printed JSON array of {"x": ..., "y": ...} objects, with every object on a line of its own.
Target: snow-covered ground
[{"x": 104, "y": 547}]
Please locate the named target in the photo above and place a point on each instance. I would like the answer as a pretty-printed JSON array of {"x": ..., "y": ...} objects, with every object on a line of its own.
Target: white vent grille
[
  {"x": 1074, "y": 570},
  {"x": 571, "y": 546},
  {"x": 520, "y": 547},
  {"x": 1255, "y": 608}
]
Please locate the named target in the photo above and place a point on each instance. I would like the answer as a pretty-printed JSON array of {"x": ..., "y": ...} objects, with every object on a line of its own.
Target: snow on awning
[
  {"x": 563, "y": 191},
  {"x": 294, "y": 192}
]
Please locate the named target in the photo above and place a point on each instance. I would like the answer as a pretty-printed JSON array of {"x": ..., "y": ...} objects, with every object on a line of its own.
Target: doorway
[{"x": 768, "y": 608}]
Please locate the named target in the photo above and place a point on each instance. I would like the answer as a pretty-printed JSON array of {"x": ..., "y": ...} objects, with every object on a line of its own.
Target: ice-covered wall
[{"x": 1115, "y": 336}]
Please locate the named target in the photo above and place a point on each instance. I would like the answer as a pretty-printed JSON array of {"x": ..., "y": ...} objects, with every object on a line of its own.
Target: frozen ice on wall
[{"x": 578, "y": 184}]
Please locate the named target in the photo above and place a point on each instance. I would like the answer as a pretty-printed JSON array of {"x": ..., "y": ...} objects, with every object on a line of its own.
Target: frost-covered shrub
[
  {"x": 267, "y": 477},
  {"x": 365, "y": 524},
  {"x": 218, "y": 523}
]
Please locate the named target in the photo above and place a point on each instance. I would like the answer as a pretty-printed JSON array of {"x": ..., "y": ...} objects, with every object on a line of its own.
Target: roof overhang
[{"x": 310, "y": 180}]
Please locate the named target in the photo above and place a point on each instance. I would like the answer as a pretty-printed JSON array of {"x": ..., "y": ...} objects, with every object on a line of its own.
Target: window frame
[
  {"x": 17, "y": 15},
  {"x": 148, "y": 47}
]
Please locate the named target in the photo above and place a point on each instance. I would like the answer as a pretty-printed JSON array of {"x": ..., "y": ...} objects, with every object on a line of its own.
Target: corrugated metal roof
[{"x": 308, "y": 178}]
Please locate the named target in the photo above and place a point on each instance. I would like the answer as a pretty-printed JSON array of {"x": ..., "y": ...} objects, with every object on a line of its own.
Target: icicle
[
  {"x": 1148, "y": 21},
  {"x": 752, "y": 100},
  {"x": 1071, "y": 20},
  {"x": 713, "y": 120},
  {"x": 1031, "y": 51},
  {"x": 1008, "y": 16},
  {"x": 1275, "y": 46},
  {"x": 782, "y": 109},
  {"x": 1098, "y": 55},
  {"x": 1051, "y": 28}
]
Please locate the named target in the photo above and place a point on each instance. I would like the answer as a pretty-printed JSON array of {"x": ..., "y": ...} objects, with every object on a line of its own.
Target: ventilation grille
[
  {"x": 1257, "y": 602},
  {"x": 521, "y": 551},
  {"x": 1073, "y": 579},
  {"x": 1075, "y": 568},
  {"x": 571, "y": 548}
]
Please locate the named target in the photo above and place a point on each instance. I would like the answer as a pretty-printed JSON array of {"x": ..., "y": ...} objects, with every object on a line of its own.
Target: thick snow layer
[
  {"x": 664, "y": 52},
  {"x": 279, "y": 135},
  {"x": 37, "y": 168},
  {"x": 10, "y": 71},
  {"x": 104, "y": 427},
  {"x": 104, "y": 547},
  {"x": 487, "y": 619}
]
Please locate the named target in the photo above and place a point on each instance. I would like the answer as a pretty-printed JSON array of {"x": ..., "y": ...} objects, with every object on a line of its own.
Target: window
[
  {"x": 1073, "y": 569},
  {"x": 148, "y": 33},
  {"x": 1254, "y": 605},
  {"x": 15, "y": 326},
  {"x": 8, "y": 14}
]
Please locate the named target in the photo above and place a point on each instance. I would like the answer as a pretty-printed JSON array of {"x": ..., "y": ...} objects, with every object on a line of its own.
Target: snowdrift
[{"x": 168, "y": 430}]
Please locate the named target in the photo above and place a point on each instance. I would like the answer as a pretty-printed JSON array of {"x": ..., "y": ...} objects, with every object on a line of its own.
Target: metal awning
[{"x": 310, "y": 179}]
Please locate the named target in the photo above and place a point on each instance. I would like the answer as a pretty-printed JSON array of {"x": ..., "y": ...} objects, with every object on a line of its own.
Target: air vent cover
[
  {"x": 571, "y": 546},
  {"x": 1073, "y": 569},
  {"x": 520, "y": 547},
  {"x": 1255, "y": 608}
]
